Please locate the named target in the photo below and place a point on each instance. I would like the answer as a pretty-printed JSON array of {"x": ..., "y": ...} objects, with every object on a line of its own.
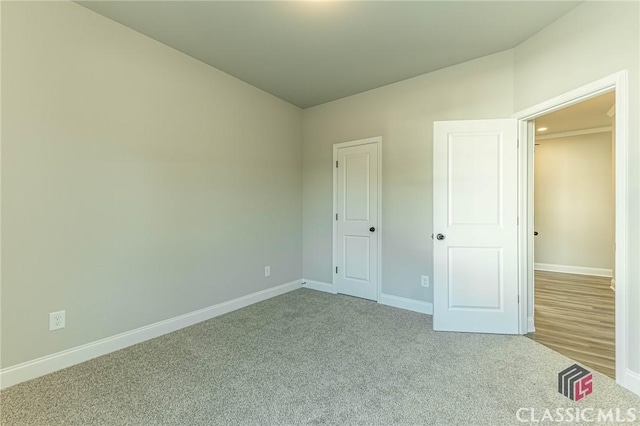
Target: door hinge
[
  {"x": 336, "y": 216},
  {"x": 336, "y": 164},
  {"x": 518, "y": 298},
  {"x": 518, "y": 221},
  {"x": 518, "y": 143},
  {"x": 336, "y": 269}
]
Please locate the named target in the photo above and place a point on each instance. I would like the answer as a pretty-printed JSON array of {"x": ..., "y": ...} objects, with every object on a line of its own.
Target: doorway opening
[
  {"x": 616, "y": 83},
  {"x": 574, "y": 232}
]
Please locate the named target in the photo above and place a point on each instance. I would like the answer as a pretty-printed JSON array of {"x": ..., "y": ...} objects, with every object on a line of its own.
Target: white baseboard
[
  {"x": 531, "y": 327},
  {"x": 632, "y": 381},
  {"x": 567, "y": 269},
  {"x": 319, "y": 285},
  {"x": 408, "y": 304},
  {"x": 48, "y": 364}
]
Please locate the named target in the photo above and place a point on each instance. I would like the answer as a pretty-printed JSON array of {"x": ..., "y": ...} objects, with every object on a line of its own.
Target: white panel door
[
  {"x": 475, "y": 190},
  {"x": 356, "y": 254}
]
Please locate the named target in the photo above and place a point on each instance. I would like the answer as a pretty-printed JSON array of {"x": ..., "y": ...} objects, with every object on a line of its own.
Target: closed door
[
  {"x": 475, "y": 226},
  {"x": 356, "y": 246}
]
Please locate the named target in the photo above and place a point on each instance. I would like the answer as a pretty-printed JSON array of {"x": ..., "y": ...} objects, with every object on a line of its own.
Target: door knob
[
  {"x": 440, "y": 237},
  {"x": 372, "y": 229},
  {"x": 535, "y": 232}
]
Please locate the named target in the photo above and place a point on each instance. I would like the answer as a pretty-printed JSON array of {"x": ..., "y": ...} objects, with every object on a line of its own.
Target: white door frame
[
  {"x": 375, "y": 140},
  {"x": 616, "y": 82}
]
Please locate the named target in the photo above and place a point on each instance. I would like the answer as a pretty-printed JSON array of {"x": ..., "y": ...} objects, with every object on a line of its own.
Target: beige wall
[
  {"x": 594, "y": 40},
  {"x": 574, "y": 202},
  {"x": 403, "y": 114},
  {"x": 137, "y": 183}
]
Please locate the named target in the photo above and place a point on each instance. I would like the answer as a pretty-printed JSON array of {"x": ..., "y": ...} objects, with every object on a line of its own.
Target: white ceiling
[
  {"x": 311, "y": 52},
  {"x": 589, "y": 114}
]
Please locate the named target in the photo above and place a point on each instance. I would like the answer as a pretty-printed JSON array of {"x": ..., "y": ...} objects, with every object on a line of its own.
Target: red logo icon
[{"x": 575, "y": 382}]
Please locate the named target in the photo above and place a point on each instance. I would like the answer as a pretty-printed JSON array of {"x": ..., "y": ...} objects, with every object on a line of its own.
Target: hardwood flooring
[{"x": 575, "y": 315}]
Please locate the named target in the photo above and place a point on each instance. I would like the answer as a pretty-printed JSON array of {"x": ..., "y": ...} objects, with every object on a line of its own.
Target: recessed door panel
[
  {"x": 356, "y": 257},
  {"x": 475, "y": 278},
  {"x": 356, "y": 191},
  {"x": 474, "y": 179}
]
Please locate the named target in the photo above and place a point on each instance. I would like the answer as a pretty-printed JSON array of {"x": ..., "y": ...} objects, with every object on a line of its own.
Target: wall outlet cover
[
  {"x": 424, "y": 281},
  {"x": 57, "y": 320}
]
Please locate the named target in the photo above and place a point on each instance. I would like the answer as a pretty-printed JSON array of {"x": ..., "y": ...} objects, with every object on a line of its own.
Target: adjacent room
[
  {"x": 574, "y": 234},
  {"x": 318, "y": 212}
]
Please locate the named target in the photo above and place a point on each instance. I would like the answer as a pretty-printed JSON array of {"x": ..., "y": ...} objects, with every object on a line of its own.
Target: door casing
[
  {"x": 616, "y": 82},
  {"x": 374, "y": 140}
]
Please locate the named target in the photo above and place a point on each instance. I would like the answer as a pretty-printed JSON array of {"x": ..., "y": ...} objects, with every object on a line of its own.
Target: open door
[{"x": 475, "y": 247}]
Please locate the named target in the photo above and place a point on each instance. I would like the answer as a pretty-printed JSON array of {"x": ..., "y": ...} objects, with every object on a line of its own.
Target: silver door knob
[{"x": 440, "y": 237}]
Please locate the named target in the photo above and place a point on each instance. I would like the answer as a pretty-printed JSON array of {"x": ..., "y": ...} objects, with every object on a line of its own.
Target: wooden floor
[{"x": 574, "y": 315}]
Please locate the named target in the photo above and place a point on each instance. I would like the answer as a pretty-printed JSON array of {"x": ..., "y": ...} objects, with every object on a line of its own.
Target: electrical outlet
[
  {"x": 267, "y": 271},
  {"x": 56, "y": 320},
  {"x": 424, "y": 282}
]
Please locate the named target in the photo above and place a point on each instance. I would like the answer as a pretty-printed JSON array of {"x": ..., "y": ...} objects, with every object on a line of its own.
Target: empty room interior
[
  {"x": 319, "y": 212},
  {"x": 574, "y": 235}
]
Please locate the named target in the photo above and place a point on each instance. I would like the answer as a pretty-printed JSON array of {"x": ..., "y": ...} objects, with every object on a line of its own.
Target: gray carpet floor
[{"x": 308, "y": 358}]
